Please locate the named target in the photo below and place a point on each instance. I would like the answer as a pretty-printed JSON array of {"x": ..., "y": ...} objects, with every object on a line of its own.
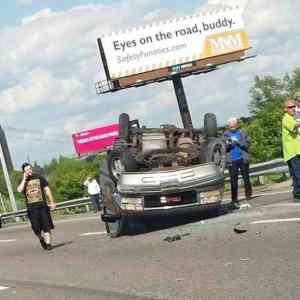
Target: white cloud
[
  {"x": 40, "y": 88},
  {"x": 42, "y": 14},
  {"x": 27, "y": 2},
  {"x": 268, "y": 18}
]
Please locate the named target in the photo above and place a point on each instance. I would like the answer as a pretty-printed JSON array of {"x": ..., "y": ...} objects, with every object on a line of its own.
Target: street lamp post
[{"x": 7, "y": 180}]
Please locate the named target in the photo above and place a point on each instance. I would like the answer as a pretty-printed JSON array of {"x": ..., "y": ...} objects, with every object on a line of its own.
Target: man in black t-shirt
[{"x": 36, "y": 191}]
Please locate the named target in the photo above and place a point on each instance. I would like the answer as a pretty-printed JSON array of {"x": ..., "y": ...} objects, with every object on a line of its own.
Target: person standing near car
[
  {"x": 297, "y": 108},
  {"x": 94, "y": 192},
  {"x": 237, "y": 159},
  {"x": 291, "y": 144},
  {"x": 36, "y": 191}
]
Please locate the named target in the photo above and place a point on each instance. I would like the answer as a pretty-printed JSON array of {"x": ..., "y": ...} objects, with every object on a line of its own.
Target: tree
[
  {"x": 268, "y": 95},
  {"x": 66, "y": 177}
]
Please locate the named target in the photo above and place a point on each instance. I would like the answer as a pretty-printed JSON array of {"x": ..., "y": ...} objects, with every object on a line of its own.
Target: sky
[{"x": 50, "y": 61}]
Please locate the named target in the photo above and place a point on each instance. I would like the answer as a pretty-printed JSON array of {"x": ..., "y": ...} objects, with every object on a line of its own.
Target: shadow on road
[
  {"x": 149, "y": 224},
  {"x": 62, "y": 244}
]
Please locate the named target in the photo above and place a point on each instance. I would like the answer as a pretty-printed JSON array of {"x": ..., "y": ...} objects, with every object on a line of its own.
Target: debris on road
[
  {"x": 172, "y": 238},
  {"x": 245, "y": 205},
  {"x": 244, "y": 259},
  {"x": 176, "y": 237},
  {"x": 239, "y": 229}
]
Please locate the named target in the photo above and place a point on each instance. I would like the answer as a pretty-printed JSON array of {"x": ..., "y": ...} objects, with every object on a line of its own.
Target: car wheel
[
  {"x": 214, "y": 151},
  {"x": 128, "y": 160},
  {"x": 124, "y": 125},
  {"x": 217, "y": 211},
  {"x": 115, "y": 165},
  {"x": 217, "y": 153},
  {"x": 210, "y": 124},
  {"x": 114, "y": 229}
]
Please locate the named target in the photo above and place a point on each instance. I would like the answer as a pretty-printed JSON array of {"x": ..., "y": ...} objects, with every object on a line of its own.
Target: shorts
[{"x": 40, "y": 219}]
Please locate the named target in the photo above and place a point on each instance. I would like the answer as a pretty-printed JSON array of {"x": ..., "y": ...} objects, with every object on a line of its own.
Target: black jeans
[
  {"x": 294, "y": 166},
  {"x": 234, "y": 174},
  {"x": 40, "y": 219}
]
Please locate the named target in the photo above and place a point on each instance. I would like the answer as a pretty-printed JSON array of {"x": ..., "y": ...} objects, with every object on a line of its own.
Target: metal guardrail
[
  {"x": 265, "y": 168},
  {"x": 269, "y": 167},
  {"x": 272, "y": 166},
  {"x": 61, "y": 205}
]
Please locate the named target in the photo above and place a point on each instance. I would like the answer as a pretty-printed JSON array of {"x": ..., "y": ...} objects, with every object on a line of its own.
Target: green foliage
[
  {"x": 265, "y": 133},
  {"x": 15, "y": 178},
  {"x": 268, "y": 95},
  {"x": 66, "y": 177}
]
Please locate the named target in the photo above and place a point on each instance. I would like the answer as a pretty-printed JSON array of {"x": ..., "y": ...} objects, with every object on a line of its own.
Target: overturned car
[{"x": 161, "y": 171}]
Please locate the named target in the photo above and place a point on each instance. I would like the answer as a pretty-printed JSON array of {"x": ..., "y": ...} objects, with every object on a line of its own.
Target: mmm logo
[{"x": 226, "y": 43}]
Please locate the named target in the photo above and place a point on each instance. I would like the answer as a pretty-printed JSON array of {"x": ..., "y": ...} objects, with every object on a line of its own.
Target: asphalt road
[{"x": 209, "y": 259}]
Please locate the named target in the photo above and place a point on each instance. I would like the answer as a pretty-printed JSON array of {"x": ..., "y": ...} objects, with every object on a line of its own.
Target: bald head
[
  {"x": 233, "y": 123},
  {"x": 289, "y": 107}
]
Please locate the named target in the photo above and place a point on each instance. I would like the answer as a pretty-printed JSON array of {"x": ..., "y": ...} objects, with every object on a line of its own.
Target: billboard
[
  {"x": 95, "y": 140},
  {"x": 175, "y": 42}
]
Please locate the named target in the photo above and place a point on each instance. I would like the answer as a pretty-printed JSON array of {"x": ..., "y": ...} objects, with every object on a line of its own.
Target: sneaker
[
  {"x": 235, "y": 205},
  {"x": 43, "y": 243},
  {"x": 48, "y": 246}
]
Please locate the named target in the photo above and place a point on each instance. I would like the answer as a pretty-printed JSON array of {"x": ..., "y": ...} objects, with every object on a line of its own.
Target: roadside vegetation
[{"x": 264, "y": 125}]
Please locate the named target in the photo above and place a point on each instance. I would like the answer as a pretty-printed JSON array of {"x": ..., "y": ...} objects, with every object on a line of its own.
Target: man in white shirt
[{"x": 94, "y": 192}]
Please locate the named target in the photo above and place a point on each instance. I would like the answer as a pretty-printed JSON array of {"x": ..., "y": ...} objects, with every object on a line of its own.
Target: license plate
[
  {"x": 173, "y": 199},
  {"x": 209, "y": 197}
]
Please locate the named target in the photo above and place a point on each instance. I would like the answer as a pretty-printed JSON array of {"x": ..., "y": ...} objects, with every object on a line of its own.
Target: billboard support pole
[{"x": 182, "y": 103}]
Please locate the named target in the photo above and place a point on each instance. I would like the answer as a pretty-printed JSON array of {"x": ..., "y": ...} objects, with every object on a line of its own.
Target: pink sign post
[{"x": 95, "y": 140}]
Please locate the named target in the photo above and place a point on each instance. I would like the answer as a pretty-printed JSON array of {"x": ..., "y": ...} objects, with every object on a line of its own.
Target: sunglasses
[{"x": 291, "y": 106}]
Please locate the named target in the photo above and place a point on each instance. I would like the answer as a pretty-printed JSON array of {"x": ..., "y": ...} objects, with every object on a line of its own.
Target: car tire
[
  {"x": 115, "y": 165},
  {"x": 114, "y": 229},
  {"x": 210, "y": 125},
  {"x": 124, "y": 124},
  {"x": 217, "y": 211},
  {"x": 214, "y": 151},
  {"x": 129, "y": 162}
]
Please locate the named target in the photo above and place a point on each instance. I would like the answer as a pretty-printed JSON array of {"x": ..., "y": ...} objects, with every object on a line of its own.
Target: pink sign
[{"x": 95, "y": 140}]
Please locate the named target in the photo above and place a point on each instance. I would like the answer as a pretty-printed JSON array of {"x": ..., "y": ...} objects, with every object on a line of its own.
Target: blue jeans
[
  {"x": 294, "y": 167},
  {"x": 95, "y": 199}
]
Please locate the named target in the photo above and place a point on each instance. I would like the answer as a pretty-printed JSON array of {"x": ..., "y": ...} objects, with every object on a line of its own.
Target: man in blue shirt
[{"x": 237, "y": 146}]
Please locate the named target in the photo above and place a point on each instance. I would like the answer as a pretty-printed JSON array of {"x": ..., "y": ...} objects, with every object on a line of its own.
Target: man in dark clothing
[
  {"x": 237, "y": 145},
  {"x": 35, "y": 189}
]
